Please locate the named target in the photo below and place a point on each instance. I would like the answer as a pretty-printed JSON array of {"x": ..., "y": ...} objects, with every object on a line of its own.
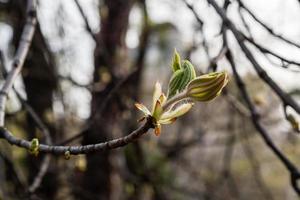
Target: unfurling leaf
[
  {"x": 143, "y": 108},
  {"x": 207, "y": 87},
  {"x": 181, "y": 78},
  {"x": 177, "y": 112},
  {"x": 156, "y": 95},
  {"x": 176, "y": 62},
  {"x": 184, "y": 87}
]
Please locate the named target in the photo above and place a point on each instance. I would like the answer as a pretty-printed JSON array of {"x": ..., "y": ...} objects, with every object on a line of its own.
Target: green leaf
[
  {"x": 181, "y": 79},
  {"x": 177, "y": 112}
]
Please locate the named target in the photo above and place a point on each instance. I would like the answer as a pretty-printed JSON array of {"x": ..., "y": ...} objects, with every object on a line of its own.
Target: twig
[
  {"x": 246, "y": 25},
  {"x": 257, "y": 176},
  {"x": 18, "y": 181},
  {"x": 84, "y": 17},
  {"x": 84, "y": 149},
  {"x": 40, "y": 175},
  {"x": 237, "y": 105},
  {"x": 43, "y": 128},
  {"x": 20, "y": 56},
  {"x": 114, "y": 91},
  {"x": 46, "y": 160},
  {"x": 294, "y": 173},
  {"x": 287, "y": 99},
  {"x": 104, "y": 103},
  {"x": 267, "y": 51},
  {"x": 270, "y": 30},
  {"x": 201, "y": 23}
]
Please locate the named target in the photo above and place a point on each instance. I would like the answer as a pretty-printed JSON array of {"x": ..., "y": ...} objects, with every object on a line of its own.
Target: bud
[
  {"x": 34, "y": 147},
  {"x": 67, "y": 155},
  {"x": 181, "y": 78},
  {"x": 176, "y": 62},
  {"x": 207, "y": 87}
]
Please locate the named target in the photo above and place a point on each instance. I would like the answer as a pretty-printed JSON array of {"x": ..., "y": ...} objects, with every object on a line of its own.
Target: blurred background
[{"x": 91, "y": 60}]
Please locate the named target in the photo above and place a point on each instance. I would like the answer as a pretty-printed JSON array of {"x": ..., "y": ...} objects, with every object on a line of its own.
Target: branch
[
  {"x": 75, "y": 150},
  {"x": 201, "y": 23},
  {"x": 294, "y": 173},
  {"x": 13, "y": 173},
  {"x": 246, "y": 25},
  {"x": 267, "y": 51},
  {"x": 112, "y": 93},
  {"x": 260, "y": 71},
  {"x": 20, "y": 56},
  {"x": 17, "y": 66},
  {"x": 46, "y": 160},
  {"x": 40, "y": 175},
  {"x": 254, "y": 163},
  {"x": 84, "y": 17},
  {"x": 270, "y": 30},
  {"x": 38, "y": 121},
  {"x": 43, "y": 128},
  {"x": 284, "y": 62}
]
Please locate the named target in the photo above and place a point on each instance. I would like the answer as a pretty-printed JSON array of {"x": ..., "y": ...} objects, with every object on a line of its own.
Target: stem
[{"x": 177, "y": 97}]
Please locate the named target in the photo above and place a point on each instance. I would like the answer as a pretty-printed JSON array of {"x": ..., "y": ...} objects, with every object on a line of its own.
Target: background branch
[{"x": 20, "y": 56}]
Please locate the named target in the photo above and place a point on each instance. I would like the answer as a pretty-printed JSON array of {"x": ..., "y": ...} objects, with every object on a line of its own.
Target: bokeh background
[{"x": 91, "y": 60}]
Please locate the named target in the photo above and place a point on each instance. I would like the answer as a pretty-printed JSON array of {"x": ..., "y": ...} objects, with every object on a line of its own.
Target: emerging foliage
[{"x": 184, "y": 88}]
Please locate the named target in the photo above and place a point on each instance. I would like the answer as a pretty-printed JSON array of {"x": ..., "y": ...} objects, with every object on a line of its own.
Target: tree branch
[
  {"x": 86, "y": 22},
  {"x": 294, "y": 173},
  {"x": 287, "y": 99},
  {"x": 270, "y": 30},
  {"x": 75, "y": 150},
  {"x": 20, "y": 56}
]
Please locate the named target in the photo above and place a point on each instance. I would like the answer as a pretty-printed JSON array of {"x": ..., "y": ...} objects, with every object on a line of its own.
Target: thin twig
[
  {"x": 40, "y": 175},
  {"x": 287, "y": 99},
  {"x": 20, "y": 56},
  {"x": 112, "y": 93},
  {"x": 294, "y": 173},
  {"x": 43, "y": 128},
  {"x": 201, "y": 23},
  {"x": 270, "y": 30},
  {"x": 257, "y": 176},
  {"x": 16, "y": 178},
  {"x": 84, "y": 17},
  {"x": 267, "y": 51},
  {"x": 46, "y": 160}
]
